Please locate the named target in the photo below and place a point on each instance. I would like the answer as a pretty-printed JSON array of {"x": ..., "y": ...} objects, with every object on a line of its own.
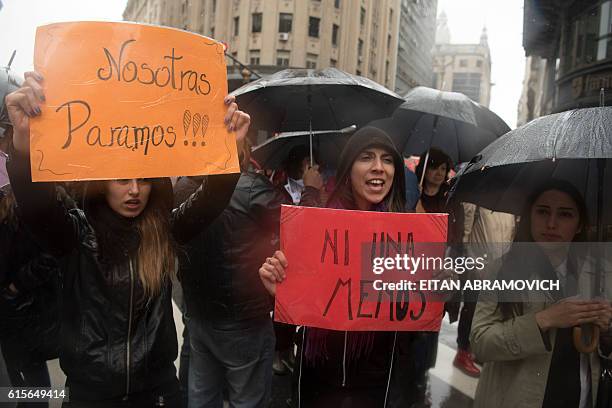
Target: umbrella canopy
[
  {"x": 329, "y": 144},
  {"x": 448, "y": 120},
  {"x": 564, "y": 146},
  {"x": 296, "y": 99}
]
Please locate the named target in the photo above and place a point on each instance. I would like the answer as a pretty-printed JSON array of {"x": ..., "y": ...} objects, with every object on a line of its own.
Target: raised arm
[
  {"x": 210, "y": 199},
  {"x": 39, "y": 209}
]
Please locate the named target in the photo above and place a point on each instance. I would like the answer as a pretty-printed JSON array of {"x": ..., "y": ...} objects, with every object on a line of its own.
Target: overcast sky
[{"x": 503, "y": 19}]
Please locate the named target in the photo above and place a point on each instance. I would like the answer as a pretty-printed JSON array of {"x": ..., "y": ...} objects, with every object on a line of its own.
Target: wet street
[{"x": 448, "y": 387}]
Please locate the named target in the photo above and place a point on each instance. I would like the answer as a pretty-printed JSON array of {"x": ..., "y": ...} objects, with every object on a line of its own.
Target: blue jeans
[{"x": 233, "y": 355}]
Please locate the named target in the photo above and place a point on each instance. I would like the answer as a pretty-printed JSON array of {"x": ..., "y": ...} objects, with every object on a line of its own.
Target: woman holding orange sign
[{"x": 118, "y": 339}]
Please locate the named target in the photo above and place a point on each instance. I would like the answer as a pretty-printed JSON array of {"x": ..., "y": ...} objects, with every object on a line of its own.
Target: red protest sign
[{"x": 331, "y": 281}]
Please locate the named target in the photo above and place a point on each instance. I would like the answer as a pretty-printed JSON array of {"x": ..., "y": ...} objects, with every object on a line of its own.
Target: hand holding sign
[
  {"x": 25, "y": 103},
  {"x": 236, "y": 120},
  {"x": 273, "y": 271},
  {"x": 21, "y": 105}
]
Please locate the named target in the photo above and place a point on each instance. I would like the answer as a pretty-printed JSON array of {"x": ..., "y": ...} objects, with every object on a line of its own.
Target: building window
[
  {"x": 463, "y": 63},
  {"x": 333, "y": 63},
  {"x": 335, "y": 29},
  {"x": 282, "y": 58},
  {"x": 337, "y": 4},
  {"x": 311, "y": 61},
  {"x": 387, "y": 72},
  {"x": 214, "y": 6},
  {"x": 604, "y": 43},
  {"x": 358, "y": 72},
  {"x": 236, "y": 25},
  {"x": 256, "y": 22},
  {"x": 313, "y": 27},
  {"x": 285, "y": 22},
  {"x": 590, "y": 38},
  {"x": 388, "y": 43},
  {"x": 479, "y": 64},
  {"x": 467, "y": 83},
  {"x": 360, "y": 48},
  {"x": 254, "y": 57},
  {"x": 362, "y": 17}
]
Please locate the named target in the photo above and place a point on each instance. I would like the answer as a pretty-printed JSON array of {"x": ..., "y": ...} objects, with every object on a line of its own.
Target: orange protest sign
[{"x": 126, "y": 100}]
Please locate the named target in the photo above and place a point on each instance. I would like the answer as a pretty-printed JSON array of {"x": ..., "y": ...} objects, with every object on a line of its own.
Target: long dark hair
[
  {"x": 523, "y": 230},
  {"x": 153, "y": 247},
  {"x": 365, "y": 138},
  {"x": 523, "y": 234},
  {"x": 437, "y": 157}
]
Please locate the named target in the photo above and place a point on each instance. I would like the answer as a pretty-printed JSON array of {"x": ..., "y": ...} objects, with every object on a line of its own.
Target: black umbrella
[
  {"x": 575, "y": 146},
  {"x": 329, "y": 143},
  {"x": 448, "y": 120},
  {"x": 304, "y": 99}
]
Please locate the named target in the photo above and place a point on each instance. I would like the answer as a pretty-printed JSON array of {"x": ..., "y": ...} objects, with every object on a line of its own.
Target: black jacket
[
  {"x": 220, "y": 270},
  {"x": 113, "y": 343},
  {"x": 29, "y": 321}
]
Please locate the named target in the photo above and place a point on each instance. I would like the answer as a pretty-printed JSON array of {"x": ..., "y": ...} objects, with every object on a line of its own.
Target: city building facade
[
  {"x": 573, "y": 41},
  {"x": 536, "y": 98},
  {"x": 417, "y": 33},
  {"x": 357, "y": 36},
  {"x": 464, "y": 68}
]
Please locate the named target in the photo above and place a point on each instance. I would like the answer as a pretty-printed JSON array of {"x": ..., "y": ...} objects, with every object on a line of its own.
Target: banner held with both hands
[
  {"x": 126, "y": 100},
  {"x": 330, "y": 280}
]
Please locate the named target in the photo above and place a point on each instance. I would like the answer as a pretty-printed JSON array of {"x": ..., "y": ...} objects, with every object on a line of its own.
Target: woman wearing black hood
[
  {"x": 117, "y": 336},
  {"x": 340, "y": 368}
]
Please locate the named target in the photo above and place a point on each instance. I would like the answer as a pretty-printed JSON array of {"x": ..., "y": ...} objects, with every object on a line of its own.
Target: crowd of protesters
[{"x": 87, "y": 273}]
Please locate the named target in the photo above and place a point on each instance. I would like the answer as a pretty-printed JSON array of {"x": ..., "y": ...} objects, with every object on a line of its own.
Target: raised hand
[
  {"x": 273, "y": 271},
  {"x": 22, "y": 105},
  {"x": 236, "y": 120},
  {"x": 312, "y": 177}
]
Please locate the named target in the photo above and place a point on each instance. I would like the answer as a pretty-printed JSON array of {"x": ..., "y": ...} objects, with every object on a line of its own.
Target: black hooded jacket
[{"x": 112, "y": 341}]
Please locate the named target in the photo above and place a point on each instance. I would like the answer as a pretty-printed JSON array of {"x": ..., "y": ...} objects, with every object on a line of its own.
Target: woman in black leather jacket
[{"x": 117, "y": 335}]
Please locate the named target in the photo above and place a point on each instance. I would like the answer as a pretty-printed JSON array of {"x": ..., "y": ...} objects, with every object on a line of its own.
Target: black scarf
[{"x": 118, "y": 236}]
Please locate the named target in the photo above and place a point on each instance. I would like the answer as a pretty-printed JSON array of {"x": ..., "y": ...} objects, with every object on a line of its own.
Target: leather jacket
[
  {"x": 220, "y": 270},
  {"x": 113, "y": 342},
  {"x": 29, "y": 292}
]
